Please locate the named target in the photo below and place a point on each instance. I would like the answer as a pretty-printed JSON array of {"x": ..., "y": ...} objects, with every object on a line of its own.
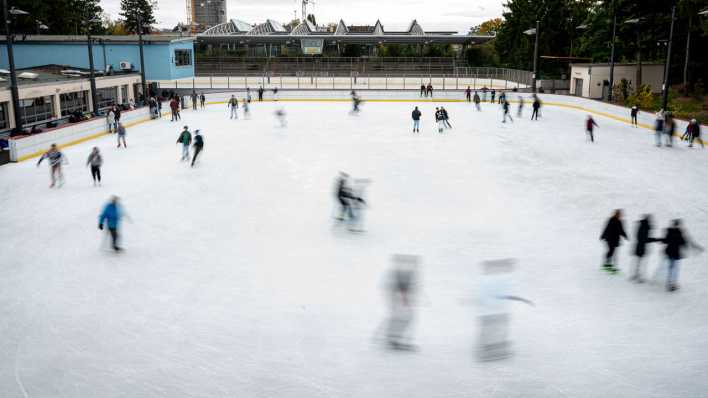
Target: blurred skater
[
  {"x": 174, "y": 108},
  {"x": 111, "y": 121},
  {"x": 429, "y": 90},
  {"x": 468, "y": 94},
  {"x": 590, "y": 128},
  {"x": 634, "y": 113},
  {"x": 56, "y": 159},
  {"x": 358, "y": 204},
  {"x": 416, "y": 114},
  {"x": 675, "y": 240},
  {"x": 445, "y": 117},
  {"x": 233, "y": 107},
  {"x": 95, "y": 161},
  {"x": 643, "y": 237},
  {"x": 120, "y": 129},
  {"x": 495, "y": 289},
  {"x": 502, "y": 98},
  {"x": 536, "y": 105},
  {"x": 356, "y": 101},
  {"x": 506, "y": 107},
  {"x": 198, "y": 145},
  {"x": 402, "y": 286},
  {"x": 260, "y": 94},
  {"x": 111, "y": 217},
  {"x": 520, "y": 109},
  {"x": 185, "y": 138},
  {"x": 194, "y": 99},
  {"x": 439, "y": 120},
  {"x": 612, "y": 235},
  {"x": 659, "y": 126},
  {"x": 494, "y": 94},
  {"x": 202, "y": 100},
  {"x": 669, "y": 129},
  {"x": 281, "y": 117},
  {"x": 694, "y": 133},
  {"x": 477, "y": 100},
  {"x": 246, "y": 110},
  {"x": 423, "y": 91}
]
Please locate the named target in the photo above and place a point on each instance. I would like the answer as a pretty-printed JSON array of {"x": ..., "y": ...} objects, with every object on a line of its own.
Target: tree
[
  {"x": 491, "y": 26},
  {"x": 62, "y": 17},
  {"x": 130, "y": 9}
]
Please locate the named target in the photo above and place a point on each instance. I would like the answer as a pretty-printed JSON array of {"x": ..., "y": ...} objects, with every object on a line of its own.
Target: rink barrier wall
[
  {"x": 35, "y": 145},
  {"x": 645, "y": 120}
]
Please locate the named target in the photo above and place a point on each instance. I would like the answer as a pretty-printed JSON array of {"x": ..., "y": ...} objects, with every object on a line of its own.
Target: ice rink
[{"x": 236, "y": 281}]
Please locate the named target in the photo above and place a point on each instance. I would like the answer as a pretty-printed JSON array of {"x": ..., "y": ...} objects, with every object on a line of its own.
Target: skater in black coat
[
  {"x": 675, "y": 241},
  {"x": 643, "y": 237},
  {"x": 612, "y": 234}
]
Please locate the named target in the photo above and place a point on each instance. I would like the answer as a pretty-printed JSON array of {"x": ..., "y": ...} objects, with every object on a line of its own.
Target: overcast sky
[{"x": 457, "y": 15}]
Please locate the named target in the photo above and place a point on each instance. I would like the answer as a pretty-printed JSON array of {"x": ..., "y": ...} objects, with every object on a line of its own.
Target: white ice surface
[{"x": 235, "y": 283}]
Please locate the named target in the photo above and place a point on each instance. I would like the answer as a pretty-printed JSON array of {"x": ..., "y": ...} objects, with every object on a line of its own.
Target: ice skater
[
  {"x": 675, "y": 240},
  {"x": 536, "y": 107},
  {"x": 356, "y": 101},
  {"x": 345, "y": 197},
  {"x": 56, "y": 159},
  {"x": 468, "y": 94},
  {"x": 95, "y": 161},
  {"x": 634, "y": 113},
  {"x": 445, "y": 117},
  {"x": 520, "y": 109},
  {"x": 669, "y": 129},
  {"x": 612, "y": 235},
  {"x": 185, "y": 138},
  {"x": 493, "y": 94},
  {"x": 120, "y": 129},
  {"x": 232, "y": 104},
  {"x": 111, "y": 121},
  {"x": 477, "y": 100},
  {"x": 194, "y": 99},
  {"x": 202, "y": 100},
  {"x": 643, "y": 237},
  {"x": 423, "y": 91},
  {"x": 174, "y": 108},
  {"x": 402, "y": 289},
  {"x": 693, "y": 132},
  {"x": 275, "y": 93},
  {"x": 502, "y": 98},
  {"x": 246, "y": 110},
  {"x": 590, "y": 128},
  {"x": 506, "y": 107},
  {"x": 416, "y": 114},
  {"x": 198, "y": 145},
  {"x": 111, "y": 216},
  {"x": 429, "y": 90},
  {"x": 248, "y": 95},
  {"x": 260, "y": 94},
  {"x": 281, "y": 117},
  {"x": 439, "y": 120},
  {"x": 495, "y": 290},
  {"x": 659, "y": 126}
]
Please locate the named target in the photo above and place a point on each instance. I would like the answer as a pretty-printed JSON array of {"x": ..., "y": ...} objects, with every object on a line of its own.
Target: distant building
[
  {"x": 593, "y": 80},
  {"x": 204, "y": 14}
]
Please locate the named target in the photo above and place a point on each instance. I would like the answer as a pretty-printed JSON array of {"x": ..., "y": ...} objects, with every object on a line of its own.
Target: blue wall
[{"x": 159, "y": 57}]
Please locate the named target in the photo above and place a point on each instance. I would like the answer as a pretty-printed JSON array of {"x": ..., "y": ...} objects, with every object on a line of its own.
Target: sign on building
[{"x": 312, "y": 46}]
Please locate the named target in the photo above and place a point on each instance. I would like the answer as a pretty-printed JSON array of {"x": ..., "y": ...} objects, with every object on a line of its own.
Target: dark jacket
[
  {"x": 613, "y": 232},
  {"x": 198, "y": 141},
  {"x": 416, "y": 114},
  {"x": 674, "y": 242},
  {"x": 643, "y": 238}
]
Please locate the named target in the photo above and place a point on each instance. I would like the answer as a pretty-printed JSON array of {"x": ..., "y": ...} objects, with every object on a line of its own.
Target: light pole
[
  {"x": 667, "y": 68},
  {"x": 535, "y": 32},
  {"x": 612, "y": 57},
  {"x": 92, "y": 75},
  {"x": 637, "y": 23},
  {"x": 143, "y": 85},
  {"x": 11, "y": 60}
]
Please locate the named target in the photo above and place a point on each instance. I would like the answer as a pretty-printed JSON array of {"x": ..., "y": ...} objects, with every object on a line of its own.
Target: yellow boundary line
[{"x": 448, "y": 100}]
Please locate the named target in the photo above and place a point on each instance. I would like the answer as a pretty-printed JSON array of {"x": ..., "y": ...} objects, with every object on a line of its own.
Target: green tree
[
  {"x": 130, "y": 9},
  {"x": 62, "y": 17}
]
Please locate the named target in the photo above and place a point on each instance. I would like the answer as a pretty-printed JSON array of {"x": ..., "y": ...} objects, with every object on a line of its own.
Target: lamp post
[
  {"x": 92, "y": 75},
  {"x": 535, "y": 32},
  {"x": 667, "y": 68},
  {"x": 11, "y": 60},
  {"x": 612, "y": 57},
  {"x": 143, "y": 85},
  {"x": 637, "y": 23}
]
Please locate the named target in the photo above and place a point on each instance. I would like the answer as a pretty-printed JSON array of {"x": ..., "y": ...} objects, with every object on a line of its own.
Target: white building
[{"x": 593, "y": 80}]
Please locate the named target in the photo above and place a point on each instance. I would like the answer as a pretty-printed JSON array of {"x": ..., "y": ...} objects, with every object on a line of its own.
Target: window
[
  {"x": 124, "y": 93},
  {"x": 183, "y": 57},
  {"x": 72, "y": 102},
  {"x": 36, "y": 109},
  {"x": 3, "y": 115},
  {"x": 106, "y": 97}
]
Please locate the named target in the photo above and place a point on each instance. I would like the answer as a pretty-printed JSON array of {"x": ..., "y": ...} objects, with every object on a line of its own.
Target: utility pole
[
  {"x": 612, "y": 56},
  {"x": 667, "y": 70},
  {"x": 92, "y": 75},
  {"x": 14, "y": 92},
  {"x": 143, "y": 85}
]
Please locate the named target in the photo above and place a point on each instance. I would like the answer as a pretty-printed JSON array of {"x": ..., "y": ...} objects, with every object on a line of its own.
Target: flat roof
[
  {"x": 118, "y": 39},
  {"x": 350, "y": 38},
  {"x": 617, "y": 64},
  {"x": 57, "y": 74}
]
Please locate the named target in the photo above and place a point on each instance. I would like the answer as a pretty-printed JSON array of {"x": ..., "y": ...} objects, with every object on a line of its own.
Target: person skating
[
  {"x": 233, "y": 107},
  {"x": 111, "y": 216},
  {"x": 246, "y": 109},
  {"x": 120, "y": 129},
  {"x": 468, "y": 94},
  {"x": 693, "y": 132},
  {"x": 111, "y": 121},
  {"x": 502, "y": 98},
  {"x": 260, "y": 94},
  {"x": 95, "y": 161},
  {"x": 643, "y": 238},
  {"x": 248, "y": 95},
  {"x": 194, "y": 100},
  {"x": 484, "y": 93},
  {"x": 423, "y": 91},
  {"x": 590, "y": 128},
  {"x": 612, "y": 234},
  {"x": 275, "y": 93},
  {"x": 429, "y": 90},
  {"x": 669, "y": 129},
  {"x": 659, "y": 126},
  {"x": 634, "y": 113},
  {"x": 185, "y": 138},
  {"x": 445, "y": 117},
  {"x": 439, "y": 120},
  {"x": 55, "y": 159},
  {"x": 536, "y": 106},
  {"x": 402, "y": 296},
  {"x": 198, "y": 145},
  {"x": 494, "y": 94},
  {"x": 675, "y": 240},
  {"x": 416, "y": 114},
  {"x": 202, "y": 100},
  {"x": 477, "y": 100},
  {"x": 174, "y": 109},
  {"x": 356, "y": 101},
  {"x": 344, "y": 196},
  {"x": 520, "y": 109},
  {"x": 116, "y": 114},
  {"x": 281, "y": 116},
  {"x": 506, "y": 107}
]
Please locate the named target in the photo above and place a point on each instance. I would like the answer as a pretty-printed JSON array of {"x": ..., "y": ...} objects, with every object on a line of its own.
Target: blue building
[{"x": 167, "y": 57}]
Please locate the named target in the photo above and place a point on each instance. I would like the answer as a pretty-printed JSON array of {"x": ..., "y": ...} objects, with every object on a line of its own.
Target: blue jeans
[
  {"x": 673, "y": 272},
  {"x": 416, "y": 125}
]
